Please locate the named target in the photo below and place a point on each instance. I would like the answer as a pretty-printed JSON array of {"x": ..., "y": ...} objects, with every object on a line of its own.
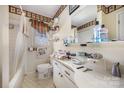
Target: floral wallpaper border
[
  {"x": 86, "y": 25},
  {"x": 62, "y": 7},
  {"x": 15, "y": 10},
  {"x": 108, "y": 9}
]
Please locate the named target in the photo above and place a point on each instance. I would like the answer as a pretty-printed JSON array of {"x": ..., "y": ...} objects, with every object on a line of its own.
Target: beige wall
[
  {"x": 110, "y": 21},
  {"x": 4, "y": 46},
  {"x": 65, "y": 29}
]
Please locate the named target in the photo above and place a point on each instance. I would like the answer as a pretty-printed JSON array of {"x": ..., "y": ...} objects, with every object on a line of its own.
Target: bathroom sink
[{"x": 76, "y": 62}]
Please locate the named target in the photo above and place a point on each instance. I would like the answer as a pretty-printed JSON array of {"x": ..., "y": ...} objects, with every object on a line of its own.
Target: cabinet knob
[
  {"x": 56, "y": 64},
  {"x": 61, "y": 75}
]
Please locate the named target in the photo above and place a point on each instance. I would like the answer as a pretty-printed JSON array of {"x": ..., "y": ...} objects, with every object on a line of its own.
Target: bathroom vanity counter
[
  {"x": 97, "y": 80},
  {"x": 92, "y": 79}
]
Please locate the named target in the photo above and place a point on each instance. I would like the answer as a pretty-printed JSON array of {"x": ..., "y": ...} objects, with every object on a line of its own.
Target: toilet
[{"x": 44, "y": 71}]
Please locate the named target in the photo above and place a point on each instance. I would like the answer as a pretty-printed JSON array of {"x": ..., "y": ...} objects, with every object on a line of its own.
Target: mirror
[
  {"x": 80, "y": 17},
  {"x": 110, "y": 23}
]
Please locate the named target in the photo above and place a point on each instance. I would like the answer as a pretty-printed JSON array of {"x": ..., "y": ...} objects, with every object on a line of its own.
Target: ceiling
[
  {"x": 84, "y": 14},
  {"x": 45, "y": 10}
]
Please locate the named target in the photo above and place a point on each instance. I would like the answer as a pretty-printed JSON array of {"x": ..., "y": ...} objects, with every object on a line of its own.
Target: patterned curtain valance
[{"x": 40, "y": 26}]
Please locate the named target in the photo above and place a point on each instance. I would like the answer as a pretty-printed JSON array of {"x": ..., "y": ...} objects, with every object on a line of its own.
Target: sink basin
[{"x": 76, "y": 62}]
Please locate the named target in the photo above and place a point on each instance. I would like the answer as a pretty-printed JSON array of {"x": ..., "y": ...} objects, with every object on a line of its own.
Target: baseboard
[{"x": 30, "y": 72}]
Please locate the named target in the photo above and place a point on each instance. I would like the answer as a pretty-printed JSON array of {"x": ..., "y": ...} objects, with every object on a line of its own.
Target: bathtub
[{"x": 16, "y": 81}]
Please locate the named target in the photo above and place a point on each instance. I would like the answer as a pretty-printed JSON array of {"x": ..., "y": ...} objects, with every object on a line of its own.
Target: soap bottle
[
  {"x": 103, "y": 33},
  {"x": 96, "y": 37},
  {"x": 114, "y": 70}
]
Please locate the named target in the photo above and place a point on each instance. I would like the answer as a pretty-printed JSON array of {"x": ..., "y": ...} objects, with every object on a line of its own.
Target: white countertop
[{"x": 93, "y": 79}]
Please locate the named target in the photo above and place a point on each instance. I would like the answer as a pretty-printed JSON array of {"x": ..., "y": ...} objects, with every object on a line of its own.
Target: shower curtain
[
  {"x": 20, "y": 58},
  {"x": 20, "y": 46}
]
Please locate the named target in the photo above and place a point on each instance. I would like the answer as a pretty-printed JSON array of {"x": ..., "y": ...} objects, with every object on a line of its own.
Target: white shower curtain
[{"x": 20, "y": 44}]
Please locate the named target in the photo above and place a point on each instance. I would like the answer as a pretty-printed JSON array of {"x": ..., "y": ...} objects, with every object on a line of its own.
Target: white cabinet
[
  {"x": 57, "y": 75},
  {"x": 59, "y": 78},
  {"x": 68, "y": 83}
]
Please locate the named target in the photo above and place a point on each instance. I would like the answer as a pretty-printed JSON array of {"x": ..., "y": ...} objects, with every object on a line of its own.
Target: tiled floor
[{"x": 32, "y": 81}]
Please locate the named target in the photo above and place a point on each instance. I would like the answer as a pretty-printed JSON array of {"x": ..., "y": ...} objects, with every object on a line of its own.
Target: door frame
[{"x": 117, "y": 25}]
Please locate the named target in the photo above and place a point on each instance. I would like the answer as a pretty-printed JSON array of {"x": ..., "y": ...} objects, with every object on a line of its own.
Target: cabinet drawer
[
  {"x": 56, "y": 64},
  {"x": 68, "y": 72}
]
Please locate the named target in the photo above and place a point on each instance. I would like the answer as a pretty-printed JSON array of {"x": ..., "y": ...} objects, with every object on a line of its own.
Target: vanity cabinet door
[
  {"x": 57, "y": 76},
  {"x": 60, "y": 80},
  {"x": 68, "y": 83}
]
